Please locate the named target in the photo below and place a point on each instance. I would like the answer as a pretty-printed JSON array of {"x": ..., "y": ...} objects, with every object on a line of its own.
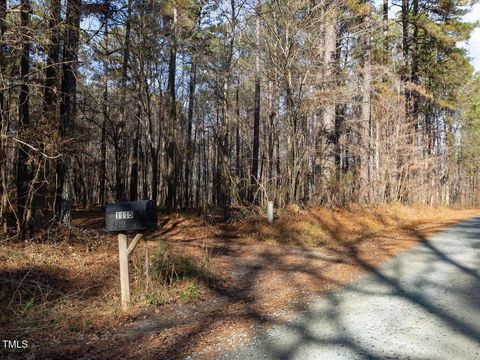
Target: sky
[{"x": 473, "y": 45}]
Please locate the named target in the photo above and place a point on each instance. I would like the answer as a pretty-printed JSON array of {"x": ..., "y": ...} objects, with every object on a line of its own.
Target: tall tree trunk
[
  {"x": 271, "y": 135},
  {"x": 68, "y": 109},
  {"x": 329, "y": 112},
  {"x": 51, "y": 73},
  {"x": 172, "y": 118},
  {"x": 195, "y": 151},
  {"x": 226, "y": 186},
  {"x": 223, "y": 158},
  {"x": 191, "y": 103},
  {"x": 386, "y": 40},
  {"x": 201, "y": 165},
  {"x": 198, "y": 144},
  {"x": 365, "y": 161},
  {"x": 291, "y": 141},
  {"x": 414, "y": 72},
  {"x": 237, "y": 132},
  {"x": 256, "y": 113},
  {"x": 120, "y": 149},
  {"x": 24, "y": 174},
  {"x": 103, "y": 151},
  {"x": 50, "y": 101},
  {"x": 103, "y": 145},
  {"x": 414, "y": 103},
  {"x": 3, "y": 118},
  {"x": 134, "y": 162},
  {"x": 143, "y": 160},
  {"x": 401, "y": 156},
  {"x": 406, "y": 55},
  {"x": 405, "y": 10},
  {"x": 153, "y": 151},
  {"x": 154, "y": 168}
]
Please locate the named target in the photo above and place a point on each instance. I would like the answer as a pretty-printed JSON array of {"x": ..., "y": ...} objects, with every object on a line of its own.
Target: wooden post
[
  {"x": 270, "y": 212},
  {"x": 123, "y": 252},
  {"x": 124, "y": 281}
]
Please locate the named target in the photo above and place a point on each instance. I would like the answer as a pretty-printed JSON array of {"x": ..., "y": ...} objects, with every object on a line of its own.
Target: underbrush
[
  {"x": 169, "y": 268},
  {"x": 53, "y": 286},
  {"x": 169, "y": 277},
  {"x": 46, "y": 287},
  {"x": 329, "y": 227}
]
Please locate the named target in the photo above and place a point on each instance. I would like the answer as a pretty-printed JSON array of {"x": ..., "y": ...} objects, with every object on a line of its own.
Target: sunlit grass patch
[
  {"x": 191, "y": 292},
  {"x": 156, "y": 299}
]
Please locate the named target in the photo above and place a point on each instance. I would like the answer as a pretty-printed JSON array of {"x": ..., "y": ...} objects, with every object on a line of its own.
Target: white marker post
[
  {"x": 270, "y": 212},
  {"x": 123, "y": 252}
]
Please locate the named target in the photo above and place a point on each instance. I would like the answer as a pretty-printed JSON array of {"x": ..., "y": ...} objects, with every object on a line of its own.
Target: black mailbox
[{"x": 131, "y": 215}]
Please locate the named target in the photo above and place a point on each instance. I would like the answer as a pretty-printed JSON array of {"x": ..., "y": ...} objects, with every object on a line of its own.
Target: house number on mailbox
[{"x": 123, "y": 215}]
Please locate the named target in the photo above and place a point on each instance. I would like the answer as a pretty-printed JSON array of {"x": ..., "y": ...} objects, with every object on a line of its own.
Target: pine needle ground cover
[{"x": 206, "y": 280}]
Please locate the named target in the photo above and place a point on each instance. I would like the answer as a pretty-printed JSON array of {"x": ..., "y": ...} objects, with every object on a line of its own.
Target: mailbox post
[{"x": 132, "y": 216}]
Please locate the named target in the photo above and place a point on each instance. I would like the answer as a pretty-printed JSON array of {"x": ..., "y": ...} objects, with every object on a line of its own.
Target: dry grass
[
  {"x": 331, "y": 228},
  {"x": 69, "y": 282},
  {"x": 56, "y": 286}
]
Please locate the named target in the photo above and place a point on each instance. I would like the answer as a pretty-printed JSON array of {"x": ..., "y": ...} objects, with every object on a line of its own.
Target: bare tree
[
  {"x": 68, "y": 109},
  {"x": 256, "y": 111}
]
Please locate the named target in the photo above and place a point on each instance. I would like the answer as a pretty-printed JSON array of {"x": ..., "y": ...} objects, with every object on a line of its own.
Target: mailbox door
[{"x": 130, "y": 216}]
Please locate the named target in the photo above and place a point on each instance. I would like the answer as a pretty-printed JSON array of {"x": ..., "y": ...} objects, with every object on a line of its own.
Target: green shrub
[
  {"x": 154, "y": 299},
  {"x": 191, "y": 292}
]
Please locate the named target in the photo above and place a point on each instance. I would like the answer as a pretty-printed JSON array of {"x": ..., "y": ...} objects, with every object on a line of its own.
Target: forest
[{"x": 216, "y": 106}]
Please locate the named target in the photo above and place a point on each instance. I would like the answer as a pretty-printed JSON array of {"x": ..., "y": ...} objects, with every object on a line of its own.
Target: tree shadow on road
[{"x": 393, "y": 286}]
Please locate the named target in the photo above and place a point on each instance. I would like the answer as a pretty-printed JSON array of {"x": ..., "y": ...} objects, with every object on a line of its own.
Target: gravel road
[{"x": 423, "y": 304}]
